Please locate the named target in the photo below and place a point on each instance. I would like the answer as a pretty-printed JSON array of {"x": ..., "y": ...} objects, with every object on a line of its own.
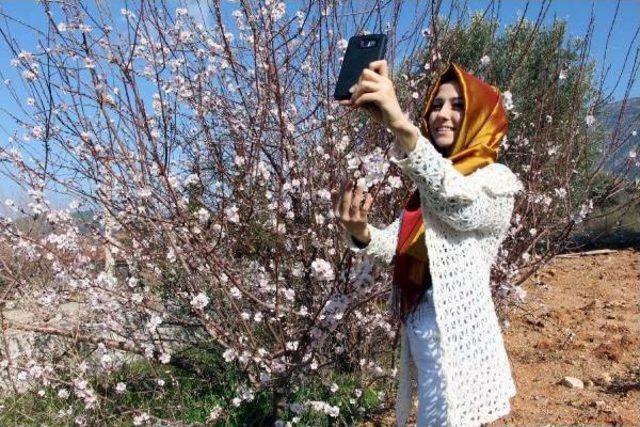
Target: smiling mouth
[{"x": 444, "y": 129}]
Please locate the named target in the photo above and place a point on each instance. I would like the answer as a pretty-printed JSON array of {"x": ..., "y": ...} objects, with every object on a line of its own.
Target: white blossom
[
  {"x": 200, "y": 301},
  {"x": 485, "y": 60},
  {"x": 37, "y": 132},
  {"x": 319, "y": 406},
  {"x": 590, "y": 120},
  {"x": 144, "y": 192},
  {"x": 153, "y": 323},
  {"x": 30, "y": 75},
  {"x": 560, "y": 192},
  {"x": 141, "y": 419},
  {"x": 520, "y": 293},
  {"x": 203, "y": 215},
  {"x": 191, "y": 179},
  {"x": 171, "y": 255},
  {"x": 89, "y": 63},
  {"x": 322, "y": 270},
  {"x": 289, "y": 294},
  {"x": 230, "y": 355},
  {"x": 324, "y": 194},
  {"x": 127, "y": 13},
  {"x": 235, "y": 292},
  {"x": 507, "y": 100},
  {"x": 395, "y": 181},
  {"x": 215, "y": 413},
  {"x": 232, "y": 214}
]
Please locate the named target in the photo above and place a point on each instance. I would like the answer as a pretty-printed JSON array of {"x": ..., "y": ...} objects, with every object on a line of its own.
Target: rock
[
  {"x": 588, "y": 384},
  {"x": 572, "y": 382},
  {"x": 600, "y": 404}
]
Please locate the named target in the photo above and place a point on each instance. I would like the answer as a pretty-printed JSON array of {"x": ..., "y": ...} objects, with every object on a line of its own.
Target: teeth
[{"x": 444, "y": 128}]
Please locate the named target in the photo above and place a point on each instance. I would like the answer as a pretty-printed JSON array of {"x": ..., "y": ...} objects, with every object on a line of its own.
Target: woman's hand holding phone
[{"x": 375, "y": 92}]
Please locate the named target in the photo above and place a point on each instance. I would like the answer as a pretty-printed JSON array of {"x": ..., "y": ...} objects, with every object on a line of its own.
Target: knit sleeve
[
  {"x": 383, "y": 243},
  {"x": 482, "y": 200}
]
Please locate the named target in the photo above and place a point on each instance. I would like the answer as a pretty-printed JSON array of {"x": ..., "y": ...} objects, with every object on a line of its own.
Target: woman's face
[{"x": 447, "y": 112}]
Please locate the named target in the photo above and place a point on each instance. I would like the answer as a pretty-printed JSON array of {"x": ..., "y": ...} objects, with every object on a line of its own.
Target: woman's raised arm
[{"x": 481, "y": 200}]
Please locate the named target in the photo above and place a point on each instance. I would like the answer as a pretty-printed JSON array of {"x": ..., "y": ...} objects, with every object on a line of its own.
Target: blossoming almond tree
[{"x": 200, "y": 152}]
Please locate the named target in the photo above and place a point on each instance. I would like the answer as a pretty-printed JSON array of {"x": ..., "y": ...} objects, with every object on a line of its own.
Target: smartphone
[{"x": 361, "y": 50}]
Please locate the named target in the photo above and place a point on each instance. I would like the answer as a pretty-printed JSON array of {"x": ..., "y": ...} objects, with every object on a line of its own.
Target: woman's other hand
[
  {"x": 348, "y": 210},
  {"x": 375, "y": 92}
]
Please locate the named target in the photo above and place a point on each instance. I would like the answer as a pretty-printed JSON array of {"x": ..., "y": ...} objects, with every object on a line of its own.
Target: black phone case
[{"x": 361, "y": 50}]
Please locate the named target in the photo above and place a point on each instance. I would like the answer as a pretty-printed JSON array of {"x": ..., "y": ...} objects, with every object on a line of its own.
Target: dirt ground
[{"x": 581, "y": 319}]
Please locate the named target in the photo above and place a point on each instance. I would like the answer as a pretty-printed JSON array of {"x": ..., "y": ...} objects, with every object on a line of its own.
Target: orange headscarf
[{"x": 483, "y": 126}]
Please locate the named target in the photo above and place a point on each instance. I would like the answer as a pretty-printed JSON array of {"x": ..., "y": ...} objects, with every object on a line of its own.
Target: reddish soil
[{"x": 581, "y": 319}]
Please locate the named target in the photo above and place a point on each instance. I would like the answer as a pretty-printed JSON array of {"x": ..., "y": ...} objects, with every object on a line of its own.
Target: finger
[
  {"x": 352, "y": 90},
  {"x": 367, "y": 97},
  {"x": 346, "y": 198},
  {"x": 338, "y": 200},
  {"x": 368, "y": 74},
  {"x": 380, "y": 67},
  {"x": 366, "y": 87},
  {"x": 345, "y": 102},
  {"x": 368, "y": 201},
  {"x": 357, "y": 198}
]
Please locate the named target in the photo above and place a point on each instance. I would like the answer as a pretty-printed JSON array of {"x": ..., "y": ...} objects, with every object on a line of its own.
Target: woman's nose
[{"x": 444, "y": 112}]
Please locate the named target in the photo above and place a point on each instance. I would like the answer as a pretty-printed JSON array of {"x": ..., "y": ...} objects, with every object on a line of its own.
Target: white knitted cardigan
[{"x": 466, "y": 219}]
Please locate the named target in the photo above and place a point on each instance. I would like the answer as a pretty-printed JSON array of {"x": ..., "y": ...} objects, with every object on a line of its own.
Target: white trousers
[{"x": 423, "y": 339}]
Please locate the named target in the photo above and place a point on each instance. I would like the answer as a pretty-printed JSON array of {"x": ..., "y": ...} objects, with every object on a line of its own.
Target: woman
[{"x": 443, "y": 244}]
